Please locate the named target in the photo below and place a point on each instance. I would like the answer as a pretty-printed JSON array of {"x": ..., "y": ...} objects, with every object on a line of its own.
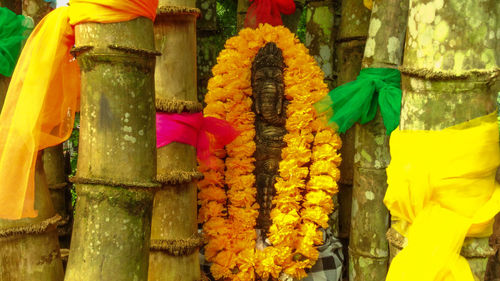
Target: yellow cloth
[
  {"x": 43, "y": 95},
  {"x": 442, "y": 188}
]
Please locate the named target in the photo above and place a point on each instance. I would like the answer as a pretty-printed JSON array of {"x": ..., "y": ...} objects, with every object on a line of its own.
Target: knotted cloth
[
  {"x": 442, "y": 188},
  {"x": 268, "y": 11},
  {"x": 14, "y": 29},
  {"x": 43, "y": 95},
  {"x": 357, "y": 101},
  {"x": 203, "y": 133}
]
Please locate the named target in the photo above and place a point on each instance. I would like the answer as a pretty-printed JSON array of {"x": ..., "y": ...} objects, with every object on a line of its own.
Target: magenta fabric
[{"x": 204, "y": 133}]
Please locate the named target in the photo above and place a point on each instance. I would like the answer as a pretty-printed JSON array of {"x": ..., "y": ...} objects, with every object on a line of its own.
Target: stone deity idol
[{"x": 269, "y": 105}]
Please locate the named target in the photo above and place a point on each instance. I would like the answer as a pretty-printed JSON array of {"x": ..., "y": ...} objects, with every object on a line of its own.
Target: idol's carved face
[{"x": 267, "y": 84}]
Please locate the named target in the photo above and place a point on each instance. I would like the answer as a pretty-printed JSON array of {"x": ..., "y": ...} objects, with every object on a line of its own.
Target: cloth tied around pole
[
  {"x": 358, "y": 101},
  {"x": 43, "y": 95},
  {"x": 14, "y": 29},
  {"x": 203, "y": 133},
  {"x": 268, "y": 11},
  {"x": 441, "y": 189}
]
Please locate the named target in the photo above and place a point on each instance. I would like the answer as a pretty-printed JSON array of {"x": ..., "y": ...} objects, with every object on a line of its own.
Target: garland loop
[{"x": 307, "y": 173}]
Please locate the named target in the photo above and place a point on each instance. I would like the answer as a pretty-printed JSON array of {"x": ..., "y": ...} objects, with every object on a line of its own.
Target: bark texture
[
  {"x": 320, "y": 35},
  {"x": 368, "y": 248},
  {"x": 29, "y": 247},
  {"x": 174, "y": 231},
  {"x": 117, "y": 160},
  {"x": 448, "y": 46},
  {"x": 351, "y": 40}
]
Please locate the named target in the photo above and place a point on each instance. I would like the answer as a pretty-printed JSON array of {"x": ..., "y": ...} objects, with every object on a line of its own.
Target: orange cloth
[{"x": 43, "y": 95}]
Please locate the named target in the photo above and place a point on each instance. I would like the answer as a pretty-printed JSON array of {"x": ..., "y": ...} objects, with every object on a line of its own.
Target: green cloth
[
  {"x": 357, "y": 101},
  {"x": 14, "y": 29}
]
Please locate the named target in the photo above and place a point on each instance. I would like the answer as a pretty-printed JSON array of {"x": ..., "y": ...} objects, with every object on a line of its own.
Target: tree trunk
[
  {"x": 29, "y": 246},
  {"x": 36, "y": 9},
  {"x": 117, "y": 162},
  {"x": 241, "y": 14},
  {"x": 174, "y": 231},
  {"x": 320, "y": 35},
  {"x": 206, "y": 42},
  {"x": 351, "y": 40},
  {"x": 450, "y": 54},
  {"x": 368, "y": 248}
]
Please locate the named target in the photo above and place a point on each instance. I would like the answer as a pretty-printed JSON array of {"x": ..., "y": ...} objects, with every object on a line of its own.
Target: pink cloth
[{"x": 204, "y": 133}]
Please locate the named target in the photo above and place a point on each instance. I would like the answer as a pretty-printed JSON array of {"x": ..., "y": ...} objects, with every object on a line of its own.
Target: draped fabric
[
  {"x": 442, "y": 188},
  {"x": 14, "y": 29},
  {"x": 268, "y": 11},
  {"x": 359, "y": 100},
  {"x": 43, "y": 95},
  {"x": 204, "y": 133}
]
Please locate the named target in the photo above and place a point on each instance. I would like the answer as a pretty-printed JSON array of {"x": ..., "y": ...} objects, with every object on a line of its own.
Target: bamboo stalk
[
  {"x": 174, "y": 230},
  {"x": 447, "y": 77},
  {"x": 29, "y": 246},
  {"x": 54, "y": 164},
  {"x": 117, "y": 163},
  {"x": 368, "y": 246},
  {"x": 351, "y": 40}
]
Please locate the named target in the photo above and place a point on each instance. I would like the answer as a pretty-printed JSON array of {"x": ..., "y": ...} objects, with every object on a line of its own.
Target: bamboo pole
[
  {"x": 29, "y": 247},
  {"x": 54, "y": 164},
  {"x": 351, "y": 40},
  {"x": 117, "y": 163},
  {"x": 368, "y": 247},
  {"x": 450, "y": 56},
  {"x": 174, "y": 231}
]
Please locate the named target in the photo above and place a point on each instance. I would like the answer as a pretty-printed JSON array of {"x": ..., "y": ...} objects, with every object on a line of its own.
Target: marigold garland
[{"x": 307, "y": 173}]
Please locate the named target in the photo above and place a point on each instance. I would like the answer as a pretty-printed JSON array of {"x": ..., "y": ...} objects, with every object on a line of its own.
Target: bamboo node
[
  {"x": 178, "y": 247},
  {"x": 137, "y": 51},
  {"x": 60, "y": 185},
  {"x": 353, "y": 38},
  {"x": 487, "y": 75},
  {"x": 179, "y": 177},
  {"x": 35, "y": 228},
  {"x": 178, "y": 10},
  {"x": 78, "y": 50},
  {"x": 114, "y": 183},
  {"x": 173, "y": 105}
]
